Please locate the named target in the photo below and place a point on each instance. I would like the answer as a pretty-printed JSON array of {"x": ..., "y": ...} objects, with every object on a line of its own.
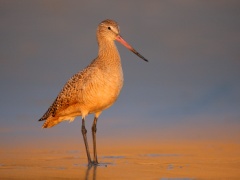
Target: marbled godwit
[{"x": 93, "y": 89}]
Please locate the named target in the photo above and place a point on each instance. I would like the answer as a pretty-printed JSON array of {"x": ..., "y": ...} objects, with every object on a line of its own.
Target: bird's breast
[{"x": 102, "y": 89}]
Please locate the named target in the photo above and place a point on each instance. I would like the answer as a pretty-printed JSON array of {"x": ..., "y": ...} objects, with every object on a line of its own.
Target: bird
[{"x": 93, "y": 89}]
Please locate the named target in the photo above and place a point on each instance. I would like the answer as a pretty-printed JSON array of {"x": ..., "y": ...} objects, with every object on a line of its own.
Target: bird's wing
[{"x": 70, "y": 93}]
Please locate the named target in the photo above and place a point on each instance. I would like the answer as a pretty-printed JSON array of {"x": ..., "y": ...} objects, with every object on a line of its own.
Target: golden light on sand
[{"x": 189, "y": 160}]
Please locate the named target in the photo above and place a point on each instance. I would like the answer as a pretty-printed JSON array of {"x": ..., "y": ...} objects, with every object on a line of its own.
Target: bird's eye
[{"x": 109, "y": 28}]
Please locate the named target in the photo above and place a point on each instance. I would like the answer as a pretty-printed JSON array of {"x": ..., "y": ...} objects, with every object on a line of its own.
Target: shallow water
[{"x": 165, "y": 162}]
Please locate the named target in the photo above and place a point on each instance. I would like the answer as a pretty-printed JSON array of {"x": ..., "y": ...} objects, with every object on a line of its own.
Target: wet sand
[{"x": 166, "y": 161}]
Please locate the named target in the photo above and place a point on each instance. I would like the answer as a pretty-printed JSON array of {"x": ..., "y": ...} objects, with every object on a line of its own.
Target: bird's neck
[{"x": 108, "y": 52}]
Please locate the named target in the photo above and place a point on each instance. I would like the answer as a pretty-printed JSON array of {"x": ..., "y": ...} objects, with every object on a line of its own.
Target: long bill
[{"x": 123, "y": 42}]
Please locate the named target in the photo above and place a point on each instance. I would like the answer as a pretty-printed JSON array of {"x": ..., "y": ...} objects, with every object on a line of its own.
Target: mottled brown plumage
[{"x": 93, "y": 89}]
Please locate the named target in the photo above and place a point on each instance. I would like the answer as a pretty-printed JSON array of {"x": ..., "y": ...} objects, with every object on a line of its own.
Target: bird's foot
[{"x": 93, "y": 163}]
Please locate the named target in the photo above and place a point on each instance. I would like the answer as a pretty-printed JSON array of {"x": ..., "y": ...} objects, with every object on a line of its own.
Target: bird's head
[{"x": 109, "y": 30}]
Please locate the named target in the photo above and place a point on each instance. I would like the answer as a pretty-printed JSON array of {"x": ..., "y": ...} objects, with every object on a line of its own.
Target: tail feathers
[
  {"x": 52, "y": 121},
  {"x": 41, "y": 119},
  {"x": 47, "y": 115}
]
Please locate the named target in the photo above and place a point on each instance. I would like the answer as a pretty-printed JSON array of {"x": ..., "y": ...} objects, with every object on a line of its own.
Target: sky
[{"x": 188, "y": 89}]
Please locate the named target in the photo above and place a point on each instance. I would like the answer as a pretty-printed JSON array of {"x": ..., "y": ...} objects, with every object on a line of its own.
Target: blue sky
[{"x": 192, "y": 77}]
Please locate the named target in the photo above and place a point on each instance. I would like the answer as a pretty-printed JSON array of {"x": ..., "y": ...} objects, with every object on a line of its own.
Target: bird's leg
[
  {"x": 84, "y": 133},
  {"x": 94, "y": 130}
]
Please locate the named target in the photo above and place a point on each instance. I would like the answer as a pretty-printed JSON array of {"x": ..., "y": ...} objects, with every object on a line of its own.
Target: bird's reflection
[{"x": 94, "y": 172}]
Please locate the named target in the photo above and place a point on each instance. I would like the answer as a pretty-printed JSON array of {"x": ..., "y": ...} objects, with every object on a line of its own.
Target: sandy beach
[{"x": 175, "y": 161}]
